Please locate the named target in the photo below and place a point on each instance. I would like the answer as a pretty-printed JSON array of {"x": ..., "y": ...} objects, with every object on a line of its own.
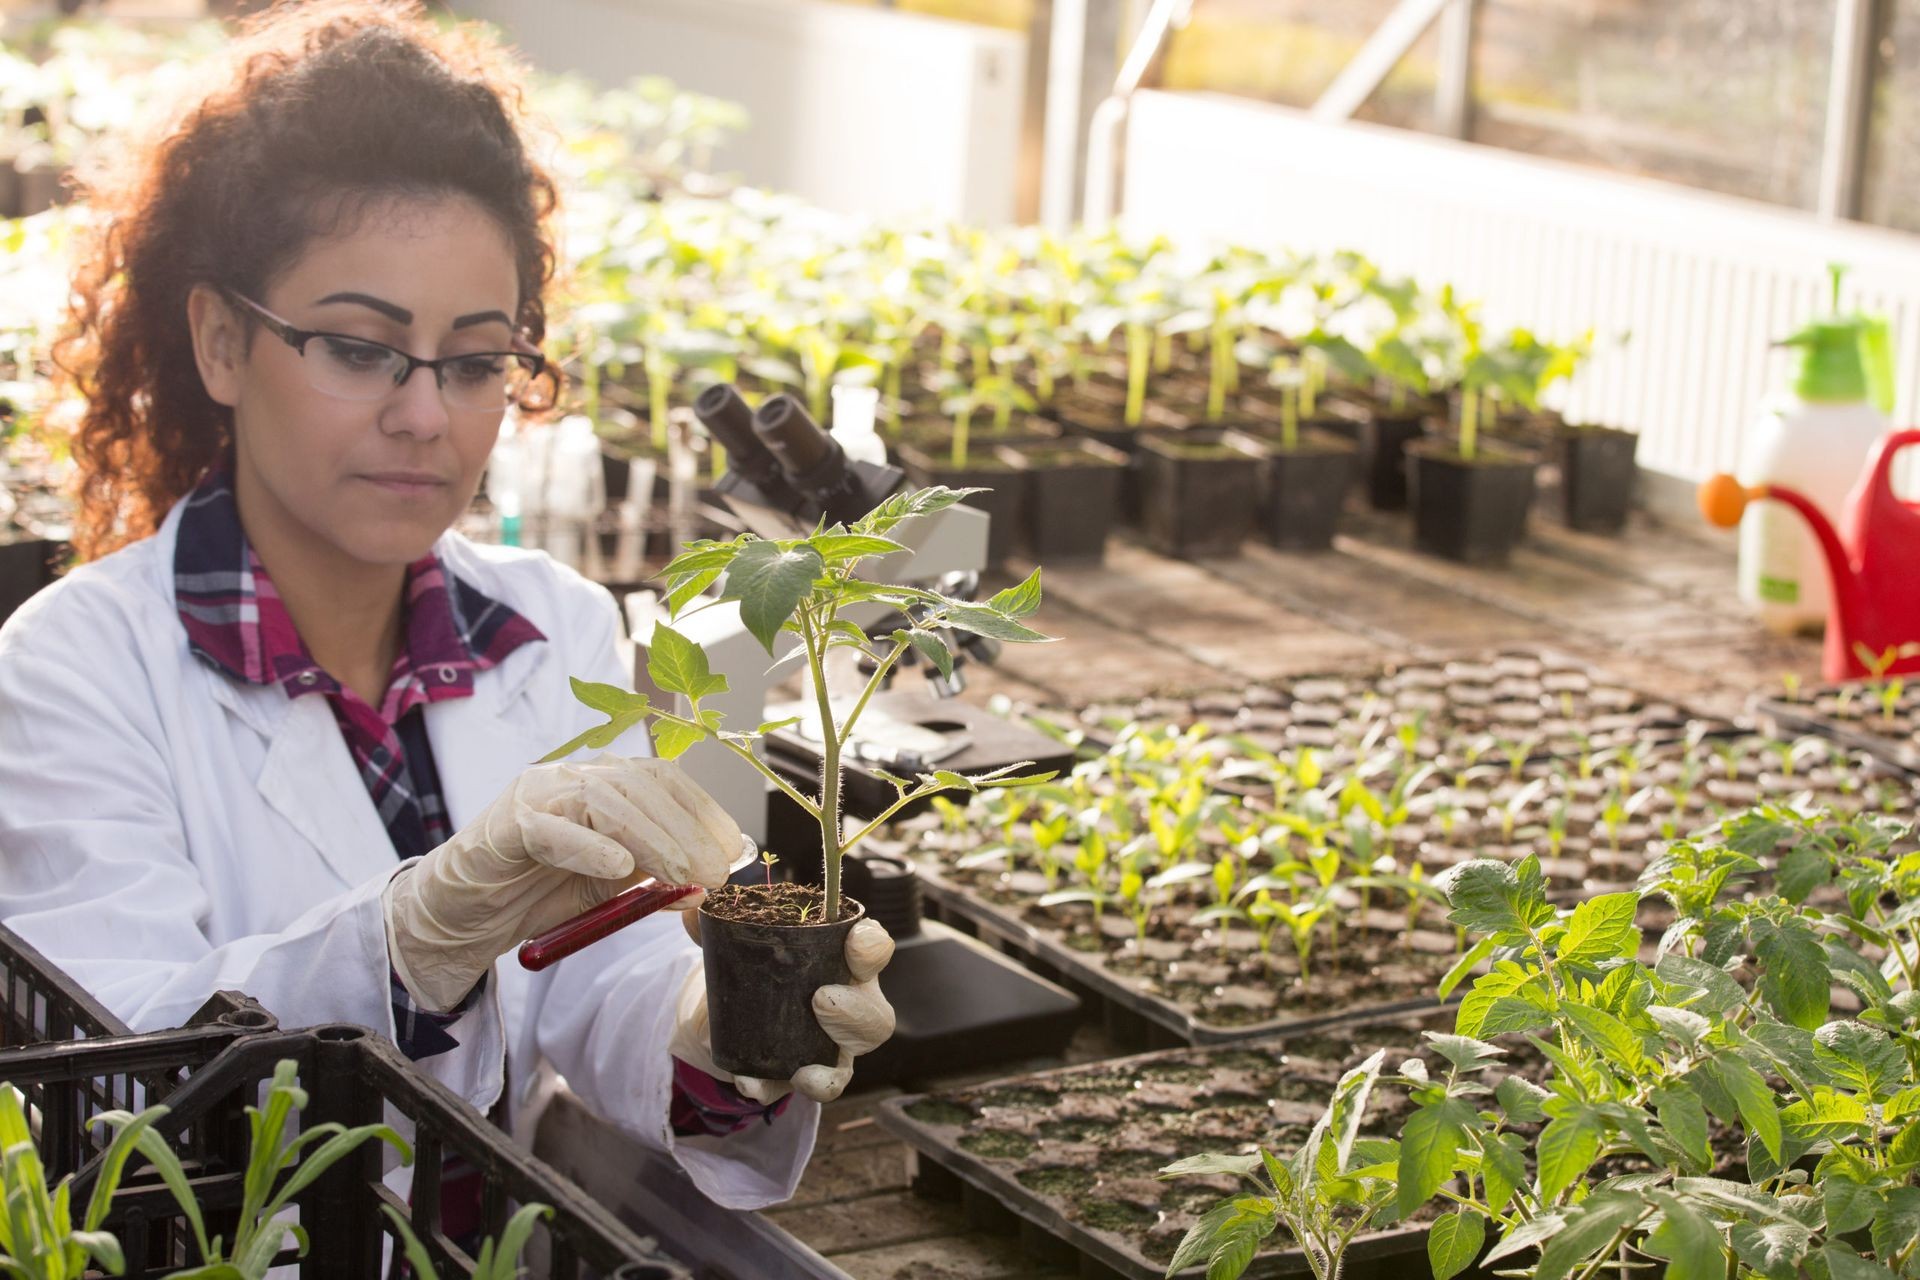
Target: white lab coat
[{"x": 166, "y": 832}]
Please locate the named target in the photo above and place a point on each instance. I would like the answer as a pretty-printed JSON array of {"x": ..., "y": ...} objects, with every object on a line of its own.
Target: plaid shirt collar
[{"x": 236, "y": 622}]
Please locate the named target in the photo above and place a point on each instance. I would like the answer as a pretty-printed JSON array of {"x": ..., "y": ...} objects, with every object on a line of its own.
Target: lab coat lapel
[
  {"x": 481, "y": 743},
  {"x": 309, "y": 779}
]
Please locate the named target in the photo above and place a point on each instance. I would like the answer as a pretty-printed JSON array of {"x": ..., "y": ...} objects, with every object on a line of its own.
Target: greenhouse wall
[
  {"x": 1698, "y": 284},
  {"x": 863, "y": 111}
]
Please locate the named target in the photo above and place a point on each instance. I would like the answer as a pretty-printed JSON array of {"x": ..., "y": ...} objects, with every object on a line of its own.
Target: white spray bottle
[{"x": 1815, "y": 439}]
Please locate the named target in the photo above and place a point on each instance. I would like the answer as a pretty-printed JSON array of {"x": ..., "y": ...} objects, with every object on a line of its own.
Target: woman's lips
[{"x": 408, "y": 484}]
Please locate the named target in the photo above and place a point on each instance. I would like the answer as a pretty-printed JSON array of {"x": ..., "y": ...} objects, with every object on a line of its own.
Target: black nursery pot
[
  {"x": 1470, "y": 511},
  {"x": 1597, "y": 473},
  {"x": 1199, "y": 491},
  {"x": 1073, "y": 498},
  {"x": 1005, "y": 499},
  {"x": 1388, "y": 436},
  {"x": 1304, "y": 492},
  {"x": 760, "y": 984}
]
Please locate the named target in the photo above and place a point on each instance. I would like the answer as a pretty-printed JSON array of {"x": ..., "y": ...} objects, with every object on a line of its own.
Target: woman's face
[{"x": 375, "y": 481}]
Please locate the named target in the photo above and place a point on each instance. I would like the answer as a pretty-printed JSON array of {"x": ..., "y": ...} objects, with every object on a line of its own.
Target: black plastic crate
[
  {"x": 206, "y": 1075},
  {"x": 39, "y": 1002}
]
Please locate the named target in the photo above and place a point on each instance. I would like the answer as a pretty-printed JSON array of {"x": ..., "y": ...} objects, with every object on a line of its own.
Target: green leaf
[
  {"x": 1844, "y": 1264},
  {"x": 1020, "y": 601},
  {"x": 1528, "y": 1235},
  {"x": 1719, "y": 990},
  {"x": 1589, "y": 1227},
  {"x": 1687, "y": 1239},
  {"x": 1861, "y": 1058},
  {"x": 1606, "y": 1033},
  {"x": 1683, "y": 1026},
  {"x": 905, "y": 506},
  {"x": 1804, "y": 869},
  {"x": 1238, "y": 1166},
  {"x": 1454, "y": 1242},
  {"x": 1749, "y": 1092},
  {"x": 1794, "y": 975},
  {"x": 624, "y": 709},
  {"x": 770, "y": 583},
  {"x": 676, "y": 664},
  {"x": 1849, "y": 1205},
  {"x": 1465, "y": 965},
  {"x": 672, "y": 738},
  {"x": 1504, "y": 1166},
  {"x": 1684, "y": 1117},
  {"x": 1489, "y": 988},
  {"x": 1488, "y": 896},
  {"x": 931, "y": 647},
  {"x": 1220, "y": 1225},
  {"x": 1774, "y": 1250},
  {"x": 1567, "y": 1148},
  {"x": 1898, "y": 1223},
  {"x": 983, "y": 620},
  {"x": 1600, "y": 929},
  {"x": 843, "y": 548},
  {"x": 1429, "y": 1149},
  {"x": 684, "y": 591},
  {"x": 1520, "y": 1099},
  {"x": 1825, "y": 1115},
  {"x": 1464, "y": 1052}
]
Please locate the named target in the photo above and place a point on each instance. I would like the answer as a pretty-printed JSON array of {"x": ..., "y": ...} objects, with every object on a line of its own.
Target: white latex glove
[
  {"x": 856, "y": 1017},
  {"x": 562, "y": 839}
]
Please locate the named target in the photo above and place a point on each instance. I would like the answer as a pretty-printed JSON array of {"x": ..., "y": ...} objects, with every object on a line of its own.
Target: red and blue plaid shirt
[{"x": 236, "y": 622}]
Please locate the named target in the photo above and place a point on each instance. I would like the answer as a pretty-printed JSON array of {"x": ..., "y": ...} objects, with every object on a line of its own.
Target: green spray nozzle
[{"x": 1845, "y": 358}]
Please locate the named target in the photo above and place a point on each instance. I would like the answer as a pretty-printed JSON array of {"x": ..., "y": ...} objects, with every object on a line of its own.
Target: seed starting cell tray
[
  {"x": 1879, "y": 717},
  {"x": 1075, "y": 1151},
  {"x": 1545, "y": 702}
]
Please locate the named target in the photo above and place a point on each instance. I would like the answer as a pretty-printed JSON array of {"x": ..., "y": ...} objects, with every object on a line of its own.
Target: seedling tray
[
  {"x": 1537, "y": 700},
  {"x": 1178, "y": 994},
  {"x": 1853, "y": 713},
  {"x": 1074, "y": 1152}
]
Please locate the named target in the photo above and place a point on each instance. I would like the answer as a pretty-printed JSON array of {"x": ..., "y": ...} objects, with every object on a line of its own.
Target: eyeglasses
[{"x": 351, "y": 368}]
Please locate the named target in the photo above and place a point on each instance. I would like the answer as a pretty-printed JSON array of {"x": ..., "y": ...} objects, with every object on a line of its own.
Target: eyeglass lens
[{"x": 354, "y": 370}]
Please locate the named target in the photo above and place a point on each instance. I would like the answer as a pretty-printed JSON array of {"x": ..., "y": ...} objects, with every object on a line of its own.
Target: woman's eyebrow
[
  {"x": 399, "y": 315},
  {"x": 483, "y": 317}
]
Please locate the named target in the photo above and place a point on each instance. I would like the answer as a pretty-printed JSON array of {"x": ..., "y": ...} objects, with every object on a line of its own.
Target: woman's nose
[{"x": 416, "y": 407}]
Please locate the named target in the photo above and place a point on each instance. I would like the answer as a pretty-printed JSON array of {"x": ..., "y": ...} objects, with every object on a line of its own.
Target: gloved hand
[
  {"x": 856, "y": 1017},
  {"x": 562, "y": 839}
]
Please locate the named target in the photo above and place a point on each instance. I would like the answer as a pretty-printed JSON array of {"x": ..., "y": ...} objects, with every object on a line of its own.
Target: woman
[{"x": 275, "y": 736}]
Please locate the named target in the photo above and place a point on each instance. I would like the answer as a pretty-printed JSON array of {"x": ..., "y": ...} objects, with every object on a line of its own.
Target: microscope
[{"x": 785, "y": 477}]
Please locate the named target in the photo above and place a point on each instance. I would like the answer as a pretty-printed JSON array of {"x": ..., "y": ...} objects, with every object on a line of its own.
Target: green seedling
[
  {"x": 767, "y": 859},
  {"x": 796, "y": 589},
  {"x": 1516, "y": 805},
  {"x": 1047, "y": 837}
]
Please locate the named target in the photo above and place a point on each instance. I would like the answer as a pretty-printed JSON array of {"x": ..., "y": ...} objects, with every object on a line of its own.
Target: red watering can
[{"x": 1874, "y": 559}]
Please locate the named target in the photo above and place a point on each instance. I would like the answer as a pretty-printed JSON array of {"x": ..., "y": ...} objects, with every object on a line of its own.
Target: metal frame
[{"x": 1084, "y": 142}]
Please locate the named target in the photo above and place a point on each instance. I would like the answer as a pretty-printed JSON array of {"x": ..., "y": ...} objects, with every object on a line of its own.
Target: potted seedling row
[
  {"x": 768, "y": 947},
  {"x": 1530, "y": 703},
  {"x": 1307, "y": 477}
]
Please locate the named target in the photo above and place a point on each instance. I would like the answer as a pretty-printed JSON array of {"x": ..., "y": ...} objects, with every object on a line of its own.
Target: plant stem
[
  {"x": 958, "y": 455},
  {"x": 811, "y": 629},
  {"x": 1469, "y": 423},
  {"x": 657, "y": 400},
  {"x": 1139, "y": 354}
]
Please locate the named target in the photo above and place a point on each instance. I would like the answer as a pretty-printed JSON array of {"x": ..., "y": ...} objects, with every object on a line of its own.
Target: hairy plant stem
[{"x": 811, "y": 629}]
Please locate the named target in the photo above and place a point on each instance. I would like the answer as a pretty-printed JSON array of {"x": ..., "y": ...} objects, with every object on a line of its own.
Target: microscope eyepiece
[{"x": 792, "y": 435}]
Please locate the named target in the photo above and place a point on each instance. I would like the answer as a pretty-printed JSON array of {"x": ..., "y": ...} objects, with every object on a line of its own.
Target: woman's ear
[{"x": 219, "y": 343}]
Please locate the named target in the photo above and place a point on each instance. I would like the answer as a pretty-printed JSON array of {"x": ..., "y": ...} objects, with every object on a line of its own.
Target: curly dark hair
[{"x": 329, "y": 105}]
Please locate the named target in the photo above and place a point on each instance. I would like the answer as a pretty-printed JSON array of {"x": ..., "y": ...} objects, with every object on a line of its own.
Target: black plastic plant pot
[
  {"x": 889, "y": 886},
  {"x": 1474, "y": 510},
  {"x": 1199, "y": 491},
  {"x": 1387, "y": 438},
  {"x": 1597, "y": 473},
  {"x": 1305, "y": 489},
  {"x": 760, "y": 984},
  {"x": 1073, "y": 498},
  {"x": 1005, "y": 499}
]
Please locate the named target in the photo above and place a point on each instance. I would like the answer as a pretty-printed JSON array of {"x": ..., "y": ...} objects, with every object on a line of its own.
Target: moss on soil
[
  {"x": 1113, "y": 1215},
  {"x": 940, "y": 1111},
  {"x": 997, "y": 1144},
  {"x": 1056, "y": 1180}
]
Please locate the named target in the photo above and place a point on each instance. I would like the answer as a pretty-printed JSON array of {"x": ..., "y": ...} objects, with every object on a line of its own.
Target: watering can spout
[{"x": 1723, "y": 500}]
